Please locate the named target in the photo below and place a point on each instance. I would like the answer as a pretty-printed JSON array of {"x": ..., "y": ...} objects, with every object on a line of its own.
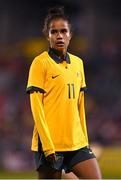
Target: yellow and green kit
[{"x": 56, "y": 87}]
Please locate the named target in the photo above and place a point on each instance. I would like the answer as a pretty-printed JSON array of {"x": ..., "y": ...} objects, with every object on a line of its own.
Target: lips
[{"x": 60, "y": 43}]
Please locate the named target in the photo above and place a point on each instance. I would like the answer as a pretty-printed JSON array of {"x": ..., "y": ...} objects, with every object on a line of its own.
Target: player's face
[{"x": 59, "y": 35}]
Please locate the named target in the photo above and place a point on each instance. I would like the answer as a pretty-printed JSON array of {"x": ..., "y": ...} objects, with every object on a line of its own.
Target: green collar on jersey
[{"x": 54, "y": 54}]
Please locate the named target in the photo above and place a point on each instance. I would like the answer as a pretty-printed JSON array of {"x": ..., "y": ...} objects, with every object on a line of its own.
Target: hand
[{"x": 51, "y": 158}]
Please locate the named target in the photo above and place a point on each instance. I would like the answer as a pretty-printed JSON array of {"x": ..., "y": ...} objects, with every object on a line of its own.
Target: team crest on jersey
[{"x": 78, "y": 73}]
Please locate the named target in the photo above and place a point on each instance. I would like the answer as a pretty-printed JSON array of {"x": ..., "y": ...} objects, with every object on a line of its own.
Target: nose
[{"x": 59, "y": 35}]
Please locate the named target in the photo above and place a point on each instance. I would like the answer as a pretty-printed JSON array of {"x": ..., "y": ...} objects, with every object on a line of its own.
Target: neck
[{"x": 61, "y": 54}]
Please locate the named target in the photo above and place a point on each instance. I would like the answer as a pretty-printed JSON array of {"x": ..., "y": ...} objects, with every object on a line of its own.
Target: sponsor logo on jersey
[{"x": 53, "y": 77}]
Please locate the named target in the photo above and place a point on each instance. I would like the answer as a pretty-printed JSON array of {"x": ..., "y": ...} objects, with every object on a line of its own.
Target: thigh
[
  {"x": 48, "y": 170},
  {"x": 45, "y": 172},
  {"x": 87, "y": 169},
  {"x": 69, "y": 175}
]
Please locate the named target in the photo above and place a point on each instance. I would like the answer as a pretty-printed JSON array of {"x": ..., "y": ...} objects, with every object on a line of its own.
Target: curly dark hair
[{"x": 53, "y": 14}]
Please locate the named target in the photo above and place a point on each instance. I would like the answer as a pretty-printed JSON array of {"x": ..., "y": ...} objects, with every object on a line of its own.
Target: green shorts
[{"x": 65, "y": 160}]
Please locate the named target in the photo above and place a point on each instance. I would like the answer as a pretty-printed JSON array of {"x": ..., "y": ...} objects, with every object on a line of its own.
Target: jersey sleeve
[
  {"x": 36, "y": 77},
  {"x": 82, "y": 114},
  {"x": 40, "y": 122},
  {"x": 83, "y": 84},
  {"x": 81, "y": 105}
]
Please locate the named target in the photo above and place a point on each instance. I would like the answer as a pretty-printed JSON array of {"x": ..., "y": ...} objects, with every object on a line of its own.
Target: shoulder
[
  {"x": 75, "y": 59},
  {"x": 40, "y": 60}
]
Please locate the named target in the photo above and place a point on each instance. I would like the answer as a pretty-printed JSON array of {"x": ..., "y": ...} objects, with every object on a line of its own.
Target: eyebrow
[{"x": 62, "y": 30}]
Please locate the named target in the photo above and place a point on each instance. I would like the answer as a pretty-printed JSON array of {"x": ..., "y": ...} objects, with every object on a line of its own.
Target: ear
[
  {"x": 47, "y": 37},
  {"x": 71, "y": 35}
]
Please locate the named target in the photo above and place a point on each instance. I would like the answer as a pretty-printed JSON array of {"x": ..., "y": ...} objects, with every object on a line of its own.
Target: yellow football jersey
[{"x": 57, "y": 102}]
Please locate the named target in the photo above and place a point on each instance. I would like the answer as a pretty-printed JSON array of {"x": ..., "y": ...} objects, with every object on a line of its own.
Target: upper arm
[
  {"x": 83, "y": 84},
  {"x": 36, "y": 77}
]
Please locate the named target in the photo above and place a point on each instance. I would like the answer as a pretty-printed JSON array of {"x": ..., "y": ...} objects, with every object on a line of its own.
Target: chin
[{"x": 60, "y": 48}]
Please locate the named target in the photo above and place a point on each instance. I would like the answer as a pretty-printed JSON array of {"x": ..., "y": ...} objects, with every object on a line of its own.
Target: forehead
[{"x": 59, "y": 24}]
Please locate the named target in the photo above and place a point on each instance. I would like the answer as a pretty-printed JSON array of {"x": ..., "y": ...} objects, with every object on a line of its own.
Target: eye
[
  {"x": 64, "y": 30},
  {"x": 53, "y": 31}
]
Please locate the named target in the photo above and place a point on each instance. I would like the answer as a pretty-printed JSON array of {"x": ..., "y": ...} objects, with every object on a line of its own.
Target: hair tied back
[{"x": 56, "y": 11}]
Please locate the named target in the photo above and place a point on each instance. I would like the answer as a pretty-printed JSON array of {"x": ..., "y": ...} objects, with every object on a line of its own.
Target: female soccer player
[{"x": 56, "y": 86}]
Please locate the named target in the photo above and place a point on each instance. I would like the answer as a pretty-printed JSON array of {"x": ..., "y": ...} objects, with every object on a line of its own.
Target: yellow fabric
[
  {"x": 82, "y": 114},
  {"x": 57, "y": 113},
  {"x": 37, "y": 74},
  {"x": 41, "y": 124}
]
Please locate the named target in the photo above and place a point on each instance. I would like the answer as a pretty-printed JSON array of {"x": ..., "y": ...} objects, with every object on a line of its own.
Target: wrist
[{"x": 48, "y": 152}]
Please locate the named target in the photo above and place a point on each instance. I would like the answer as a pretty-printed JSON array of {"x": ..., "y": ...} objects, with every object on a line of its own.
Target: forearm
[
  {"x": 40, "y": 122},
  {"x": 82, "y": 113}
]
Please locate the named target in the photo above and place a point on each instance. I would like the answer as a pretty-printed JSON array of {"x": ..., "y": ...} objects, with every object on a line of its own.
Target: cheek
[
  {"x": 49, "y": 34},
  {"x": 68, "y": 37},
  {"x": 50, "y": 39}
]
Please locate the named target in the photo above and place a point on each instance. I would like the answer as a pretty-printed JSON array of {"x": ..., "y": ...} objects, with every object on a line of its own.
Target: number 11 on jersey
[{"x": 71, "y": 91}]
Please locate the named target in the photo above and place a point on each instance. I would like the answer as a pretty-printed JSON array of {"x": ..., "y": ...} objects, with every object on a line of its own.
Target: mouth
[{"x": 60, "y": 43}]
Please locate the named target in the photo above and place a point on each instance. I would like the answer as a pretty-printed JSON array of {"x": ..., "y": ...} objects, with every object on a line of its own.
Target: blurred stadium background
[{"x": 97, "y": 40}]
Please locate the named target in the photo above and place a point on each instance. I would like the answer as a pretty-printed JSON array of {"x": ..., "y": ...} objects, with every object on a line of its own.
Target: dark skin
[{"x": 59, "y": 37}]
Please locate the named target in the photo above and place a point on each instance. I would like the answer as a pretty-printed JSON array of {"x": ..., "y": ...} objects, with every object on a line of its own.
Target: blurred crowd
[
  {"x": 96, "y": 40},
  {"x": 15, "y": 119},
  {"x": 102, "y": 101},
  {"x": 104, "y": 94}
]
